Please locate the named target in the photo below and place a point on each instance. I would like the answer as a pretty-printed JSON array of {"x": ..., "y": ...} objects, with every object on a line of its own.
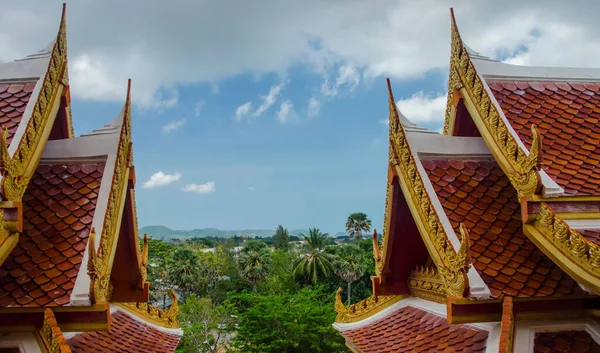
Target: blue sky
[
  {"x": 309, "y": 172},
  {"x": 282, "y": 163}
]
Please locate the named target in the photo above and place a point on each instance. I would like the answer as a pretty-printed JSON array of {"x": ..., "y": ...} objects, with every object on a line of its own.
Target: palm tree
[
  {"x": 349, "y": 268},
  {"x": 184, "y": 271},
  {"x": 254, "y": 262},
  {"x": 356, "y": 224},
  {"x": 314, "y": 261}
]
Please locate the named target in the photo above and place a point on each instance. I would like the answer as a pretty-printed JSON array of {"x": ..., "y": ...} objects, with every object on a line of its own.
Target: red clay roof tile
[
  {"x": 13, "y": 101},
  {"x": 127, "y": 335},
  {"x": 565, "y": 341},
  {"x": 414, "y": 330},
  {"x": 42, "y": 269},
  {"x": 568, "y": 118},
  {"x": 504, "y": 257}
]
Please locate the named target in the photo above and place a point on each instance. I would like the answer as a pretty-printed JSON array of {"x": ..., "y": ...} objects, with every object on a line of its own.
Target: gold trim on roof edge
[
  {"x": 110, "y": 229},
  {"x": 566, "y": 246},
  {"x": 519, "y": 165},
  {"x": 164, "y": 318},
  {"x": 362, "y": 309},
  {"x": 19, "y": 167},
  {"x": 426, "y": 283},
  {"x": 52, "y": 336},
  {"x": 452, "y": 265}
]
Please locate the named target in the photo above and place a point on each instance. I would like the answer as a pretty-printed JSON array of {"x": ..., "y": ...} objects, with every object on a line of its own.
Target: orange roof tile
[
  {"x": 568, "y": 117},
  {"x": 592, "y": 235},
  {"x": 478, "y": 194},
  {"x": 126, "y": 335},
  {"x": 13, "y": 100},
  {"x": 565, "y": 341},
  {"x": 414, "y": 330},
  {"x": 58, "y": 208}
]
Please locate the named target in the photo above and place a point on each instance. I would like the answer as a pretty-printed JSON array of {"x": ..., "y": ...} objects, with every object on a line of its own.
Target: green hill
[{"x": 162, "y": 232}]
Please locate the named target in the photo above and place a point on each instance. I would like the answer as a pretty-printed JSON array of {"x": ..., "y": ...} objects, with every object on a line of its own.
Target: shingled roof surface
[
  {"x": 13, "y": 100},
  {"x": 414, "y": 330},
  {"x": 479, "y": 195},
  {"x": 58, "y": 208},
  {"x": 565, "y": 341},
  {"x": 567, "y": 115},
  {"x": 126, "y": 335}
]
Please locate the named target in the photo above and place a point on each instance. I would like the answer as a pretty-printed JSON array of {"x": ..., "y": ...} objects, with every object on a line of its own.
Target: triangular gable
[
  {"x": 447, "y": 252},
  {"x": 513, "y": 107},
  {"x": 118, "y": 241}
]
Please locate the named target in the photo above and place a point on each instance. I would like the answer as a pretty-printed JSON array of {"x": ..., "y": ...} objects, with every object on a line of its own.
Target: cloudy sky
[{"x": 250, "y": 114}]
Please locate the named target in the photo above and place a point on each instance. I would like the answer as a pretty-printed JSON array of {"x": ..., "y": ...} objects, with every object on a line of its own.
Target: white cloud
[
  {"x": 173, "y": 125},
  {"x": 421, "y": 108},
  {"x": 206, "y": 188},
  {"x": 214, "y": 89},
  {"x": 199, "y": 106},
  {"x": 403, "y": 39},
  {"x": 251, "y": 188},
  {"x": 161, "y": 179},
  {"x": 286, "y": 112},
  {"x": 269, "y": 99},
  {"x": 314, "y": 106},
  {"x": 243, "y": 110},
  {"x": 348, "y": 78}
]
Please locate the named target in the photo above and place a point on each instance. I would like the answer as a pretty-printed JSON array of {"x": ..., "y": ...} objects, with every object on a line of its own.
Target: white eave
[{"x": 496, "y": 70}]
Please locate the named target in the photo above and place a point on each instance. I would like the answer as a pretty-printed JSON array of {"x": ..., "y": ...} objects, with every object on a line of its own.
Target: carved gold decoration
[
  {"x": 455, "y": 274},
  {"x": 52, "y": 336},
  {"x": 14, "y": 178},
  {"x": 165, "y": 318},
  {"x": 100, "y": 286},
  {"x": 521, "y": 166},
  {"x": 377, "y": 254},
  {"x": 358, "y": 311},
  {"x": 567, "y": 240},
  {"x": 452, "y": 265},
  {"x": 426, "y": 283},
  {"x": 384, "y": 236},
  {"x": 144, "y": 260}
]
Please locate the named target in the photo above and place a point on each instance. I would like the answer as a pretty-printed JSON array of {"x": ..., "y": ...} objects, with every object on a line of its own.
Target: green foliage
[
  {"x": 281, "y": 239},
  {"x": 298, "y": 322},
  {"x": 357, "y": 224},
  {"x": 255, "y": 262},
  {"x": 314, "y": 263},
  {"x": 349, "y": 266},
  {"x": 185, "y": 272},
  {"x": 206, "y": 328}
]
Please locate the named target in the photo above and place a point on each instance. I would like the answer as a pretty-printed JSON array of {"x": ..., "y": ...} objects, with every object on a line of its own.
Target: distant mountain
[{"x": 162, "y": 232}]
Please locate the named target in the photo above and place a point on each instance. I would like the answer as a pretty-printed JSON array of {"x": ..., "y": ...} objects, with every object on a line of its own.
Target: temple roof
[
  {"x": 567, "y": 115},
  {"x": 477, "y": 194},
  {"x": 14, "y": 98},
  {"x": 565, "y": 341},
  {"x": 59, "y": 207},
  {"x": 128, "y": 334},
  {"x": 414, "y": 329}
]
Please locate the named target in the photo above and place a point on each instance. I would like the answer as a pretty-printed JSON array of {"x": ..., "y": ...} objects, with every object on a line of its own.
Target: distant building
[
  {"x": 67, "y": 219},
  {"x": 492, "y": 234}
]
